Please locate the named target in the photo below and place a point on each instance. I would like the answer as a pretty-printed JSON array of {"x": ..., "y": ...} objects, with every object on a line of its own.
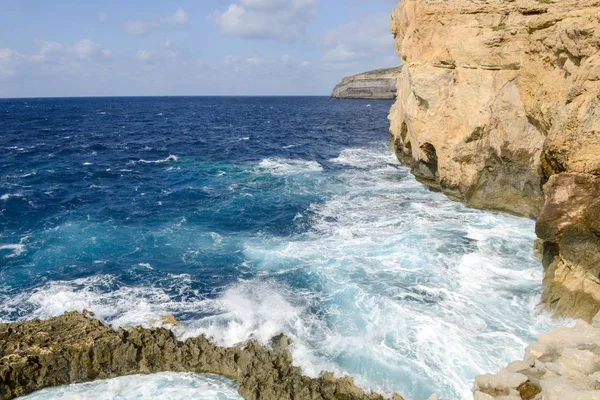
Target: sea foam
[{"x": 164, "y": 386}]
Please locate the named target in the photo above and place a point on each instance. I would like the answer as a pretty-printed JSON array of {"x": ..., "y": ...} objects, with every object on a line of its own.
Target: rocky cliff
[
  {"x": 378, "y": 84},
  {"x": 76, "y": 348},
  {"x": 498, "y": 106}
]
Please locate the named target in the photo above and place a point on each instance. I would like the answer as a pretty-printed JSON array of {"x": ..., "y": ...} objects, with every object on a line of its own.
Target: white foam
[
  {"x": 170, "y": 158},
  {"x": 399, "y": 287},
  {"x": 17, "y": 249},
  {"x": 33, "y": 173},
  {"x": 252, "y": 310},
  {"x": 9, "y": 195},
  {"x": 284, "y": 167},
  {"x": 364, "y": 158},
  {"x": 163, "y": 386}
]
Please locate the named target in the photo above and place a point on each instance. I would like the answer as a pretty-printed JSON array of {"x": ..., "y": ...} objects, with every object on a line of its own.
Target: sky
[{"x": 189, "y": 47}]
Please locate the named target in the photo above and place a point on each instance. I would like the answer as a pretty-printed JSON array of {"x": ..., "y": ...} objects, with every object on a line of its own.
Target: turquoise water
[{"x": 248, "y": 217}]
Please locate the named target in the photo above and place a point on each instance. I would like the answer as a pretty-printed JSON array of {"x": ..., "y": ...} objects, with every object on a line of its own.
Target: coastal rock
[
  {"x": 570, "y": 227},
  {"x": 563, "y": 365},
  {"x": 76, "y": 348},
  {"x": 497, "y": 97},
  {"x": 378, "y": 84}
]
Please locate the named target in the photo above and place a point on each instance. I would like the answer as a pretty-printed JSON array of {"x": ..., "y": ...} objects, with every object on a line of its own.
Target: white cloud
[
  {"x": 102, "y": 17},
  {"x": 8, "y": 61},
  {"x": 179, "y": 19},
  {"x": 49, "y": 48},
  {"x": 282, "y": 20},
  {"x": 365, "y": 39},
  {"x": 341, "y": 53},
  {"x": 144, "y": 56},
  {"x": 85, "y": 49},
  {"x": 151, "y": 57},
  {"x": 78, "y": 58}
]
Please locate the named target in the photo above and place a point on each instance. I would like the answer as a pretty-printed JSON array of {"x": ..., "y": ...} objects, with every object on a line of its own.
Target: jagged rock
[
  {"x": 494, "y": 99},
  {"x": 75, "y": 348},
  {"x": 378, "y": 84},
  {"x": 563, "y": 364}
]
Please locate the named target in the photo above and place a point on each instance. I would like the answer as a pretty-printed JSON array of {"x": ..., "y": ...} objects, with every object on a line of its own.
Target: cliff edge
[
  {"x": 498, "y": 106},
  {"x": 377, "y": 84}
]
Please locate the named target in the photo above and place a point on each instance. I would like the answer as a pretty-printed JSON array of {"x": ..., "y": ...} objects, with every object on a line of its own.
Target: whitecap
[
  {"x": 364, "y": 158},
  {"x": 169, "y": 158},
  {"x": 9, "y": 195},
  {"x": 33, "y": 173},
  {"x": 283, "y": 167},
  {"x": 17, "y": 249}
]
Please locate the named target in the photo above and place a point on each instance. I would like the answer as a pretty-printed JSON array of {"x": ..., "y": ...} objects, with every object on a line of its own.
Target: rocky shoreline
[
  {"x": 563, "y": 364},
  {"x": 77, "y": 348}
]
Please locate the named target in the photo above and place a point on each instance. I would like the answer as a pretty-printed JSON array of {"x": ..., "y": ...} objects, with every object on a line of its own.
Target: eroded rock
[
  {"x": 76, "y": 348},
  {"x": 563, "y": 364}
]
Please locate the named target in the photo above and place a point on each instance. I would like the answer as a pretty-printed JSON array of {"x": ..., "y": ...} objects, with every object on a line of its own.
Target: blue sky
[{"x": 189, "y": 47}]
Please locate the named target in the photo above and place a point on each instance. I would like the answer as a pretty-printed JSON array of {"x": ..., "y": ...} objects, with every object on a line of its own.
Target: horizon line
[{"x": 157, "y": 96}]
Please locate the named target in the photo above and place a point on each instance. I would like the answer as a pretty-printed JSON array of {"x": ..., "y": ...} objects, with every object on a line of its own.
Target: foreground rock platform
[
  {"x": 498, "y": 107},
  {"x": 563, "y": 364},
  {"x": 77, "y": 348}
]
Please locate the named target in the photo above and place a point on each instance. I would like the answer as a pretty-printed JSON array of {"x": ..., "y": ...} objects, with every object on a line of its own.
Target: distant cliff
[{"x": 378, "y": 84}]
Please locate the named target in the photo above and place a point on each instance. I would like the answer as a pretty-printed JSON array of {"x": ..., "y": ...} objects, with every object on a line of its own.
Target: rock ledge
[{"x": 77, "y": 348}]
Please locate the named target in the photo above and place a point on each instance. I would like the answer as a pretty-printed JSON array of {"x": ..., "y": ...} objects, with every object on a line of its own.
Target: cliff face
[
  {"x": 76, "y": 348},
  {"x": 378, "y": 84},
  {"x": 499, "y": 107}
]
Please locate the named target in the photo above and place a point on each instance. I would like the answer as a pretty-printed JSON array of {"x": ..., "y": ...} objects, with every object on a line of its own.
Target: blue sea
[{"x": 245, "y": 217}]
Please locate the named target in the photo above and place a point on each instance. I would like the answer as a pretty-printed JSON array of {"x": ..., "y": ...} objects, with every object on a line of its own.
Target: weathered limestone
[
  {"x": 378, "y": 84},
  {"x": 497, "y": 99},
  {"x": 75, "y": 348},
  {"x": 570, "y": 227},
  {"x": 563, "y": 365}
]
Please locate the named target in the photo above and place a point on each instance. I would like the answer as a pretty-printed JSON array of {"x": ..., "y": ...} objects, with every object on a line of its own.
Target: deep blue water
[{"x": 247, "y": 217}]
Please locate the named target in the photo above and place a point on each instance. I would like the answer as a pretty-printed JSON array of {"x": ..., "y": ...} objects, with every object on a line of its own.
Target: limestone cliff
[
  {"x": 498, "y": 106},
  {"x": 76, "y": 348},
  {"x": 378, "y": 84}
]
